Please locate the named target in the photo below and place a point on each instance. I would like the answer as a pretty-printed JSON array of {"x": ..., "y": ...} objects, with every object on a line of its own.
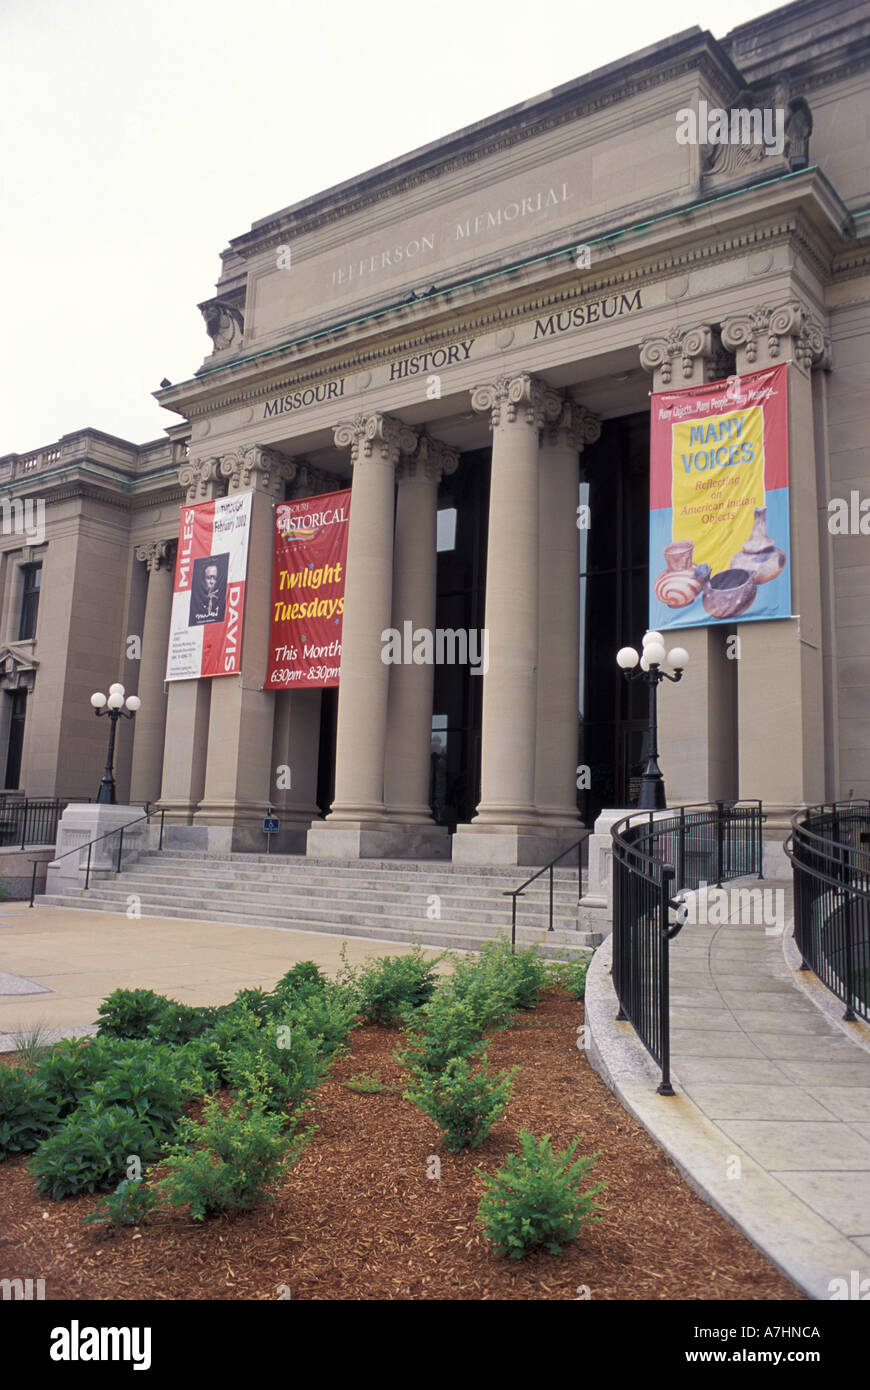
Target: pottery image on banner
[
  {"x": 760, "y": 556},
  {"x": 729, "y": 593},
  {"x": 682, "y": 581}
]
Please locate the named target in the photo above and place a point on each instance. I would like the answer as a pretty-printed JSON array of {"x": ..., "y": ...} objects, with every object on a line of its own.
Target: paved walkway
[
  {"x": 56, "y": 965},
  {"x": 772, "y": 1120}
]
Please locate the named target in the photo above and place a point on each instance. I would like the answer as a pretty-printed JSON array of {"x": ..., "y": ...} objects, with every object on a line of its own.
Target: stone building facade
[{"x": 468, "y": 338}]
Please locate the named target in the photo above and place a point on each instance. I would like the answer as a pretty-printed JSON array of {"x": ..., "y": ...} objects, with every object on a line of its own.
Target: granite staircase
[{"x": 437, "y": 903}]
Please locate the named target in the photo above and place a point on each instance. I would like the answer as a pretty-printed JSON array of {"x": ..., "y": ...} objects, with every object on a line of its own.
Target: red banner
[{"x": 310, "y": 557}]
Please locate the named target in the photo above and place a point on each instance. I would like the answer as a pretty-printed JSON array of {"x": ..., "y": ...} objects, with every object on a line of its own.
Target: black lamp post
[
  {"x": 652, "y": 670},
  {"x": 114, "y": 708}
]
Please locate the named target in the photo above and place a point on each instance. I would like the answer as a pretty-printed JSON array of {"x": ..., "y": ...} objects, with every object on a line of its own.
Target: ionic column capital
[
  {"x": 767, "y": 326},
  {"x": 199, "y": 477},
  {"x": 431, "y": 460},
  {"x": 379, "y": 437},
  {"x": 522, "y": 397},
  {"x": 157, "y": 555},
  {"x": 687, "y": 344},
  {"x": 264, "y": 470},
  {"x": 575, "y": 426}
]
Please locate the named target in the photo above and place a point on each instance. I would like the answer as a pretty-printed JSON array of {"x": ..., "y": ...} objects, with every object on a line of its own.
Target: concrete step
[
  {"x": 455, "y": 935},
  {"x": 322, "y": 907}
]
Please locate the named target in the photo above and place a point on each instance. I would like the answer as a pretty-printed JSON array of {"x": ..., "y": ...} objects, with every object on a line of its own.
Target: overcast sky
[{"x": 139, "y": 137}]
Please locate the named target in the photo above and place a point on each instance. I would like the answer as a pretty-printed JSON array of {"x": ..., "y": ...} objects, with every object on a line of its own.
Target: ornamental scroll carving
[
  {"x": 680, "y": 344},
  {"x": 770, "y": 326},
  {"x": 431, "y": 460},
  {"x": 198, "y": 478},
  {"x": 522, "y": 397},
  {"x": 378, "y": 437},
  {"x": 259, "y": 468},
  {"x": 576, "y": 426},
  {"x": 157, "y": 555}
]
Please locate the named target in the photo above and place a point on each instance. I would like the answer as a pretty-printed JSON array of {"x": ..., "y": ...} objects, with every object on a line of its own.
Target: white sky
[{"x": 138, "y": 136}]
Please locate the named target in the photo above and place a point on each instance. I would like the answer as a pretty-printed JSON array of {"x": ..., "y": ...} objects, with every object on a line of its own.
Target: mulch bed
[{"x": 358, "y": 1218}]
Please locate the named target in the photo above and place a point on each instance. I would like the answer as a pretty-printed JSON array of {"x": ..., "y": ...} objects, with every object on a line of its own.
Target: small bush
[
  {"x": 238, "y": 1160},
  {"x": 327, "y": 1016},
  {"x": 444, "y": 1028},
  {"x": 523, "y": 974},
  {"x": 283, "y": 1078},
  {"x": 69, "y": 1070},
  {"x": 89, "y": 1150},
  {"x": 465, "y": 1103},
  {"x": 128, "y": 1205},
  {"x": 128, "y": 1013},
  {"x": 487, "y": 985},
  {"x": 32, "y": 1043},
  {"x": 535, "y": 1200},
  {"x": 28, "y": 1112},
  {"x": 302, "y": 981},
  {"x": 387, "y": 987},
  {"x": 571, "y": 975}
]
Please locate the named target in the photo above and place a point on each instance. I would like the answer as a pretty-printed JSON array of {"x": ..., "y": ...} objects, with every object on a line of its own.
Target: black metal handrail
[
  {"x": 655, "y": 855},
  {"x": 829, "y": 850},
  {"x": 30, "y": 819},
  {"x": 76, "y": 849},
  {"x": 514, "y": 893}
]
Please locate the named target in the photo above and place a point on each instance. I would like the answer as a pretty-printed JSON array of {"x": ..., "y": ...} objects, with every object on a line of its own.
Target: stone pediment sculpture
[
  {"x": 223, "y": 323},
  {"x": 17, "y": 669},
  {"x": 751, "y": 123}
]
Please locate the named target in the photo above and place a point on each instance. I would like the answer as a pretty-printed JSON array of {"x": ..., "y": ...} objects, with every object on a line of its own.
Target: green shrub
[
  {"x": 535, "y": 1199},
  {"x": 520, "y": 976},
  {"x": 128, "y": 1013},
  {"x": 90, "y": 1148},
  {"x": 487, "y": 985},
  {"x": 465, "y": 1103},
  {"x": 571, "y": 974},
  {"x": 69, "y": 1070},
  {"x": 302, "y": 981},
  {"x": 325, "y": 1015},
  {"x": 238, "y": 1160},
  {"x": 444, "y": 1028},
  {"x": 130, "y": 1203},
  {"x": 28, "y": 1112},
  {"x": 284, "y": 1078},
  {"x": 387, "y": 987}
]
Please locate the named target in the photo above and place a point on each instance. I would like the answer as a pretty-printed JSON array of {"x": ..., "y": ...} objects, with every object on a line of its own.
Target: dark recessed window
[{"x": 29, "y": 602}]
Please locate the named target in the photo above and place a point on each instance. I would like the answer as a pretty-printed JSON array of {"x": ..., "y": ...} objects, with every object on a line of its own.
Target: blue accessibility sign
[{"x": 271, "y": 825}]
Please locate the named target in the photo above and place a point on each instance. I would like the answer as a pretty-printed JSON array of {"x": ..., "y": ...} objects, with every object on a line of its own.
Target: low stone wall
[{"x": 16, "y": 870}]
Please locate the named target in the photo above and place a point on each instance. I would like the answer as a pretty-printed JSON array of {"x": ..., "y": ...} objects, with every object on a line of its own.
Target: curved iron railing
[
  {"x": 656, "y": 854},
  {"x": 829, "y": 849}
]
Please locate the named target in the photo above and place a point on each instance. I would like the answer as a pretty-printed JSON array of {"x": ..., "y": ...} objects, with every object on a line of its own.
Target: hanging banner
[
  {"x": 719, "y": 515},
  {"x": 310, "y": 557},
  {"x": 208, "y": 602}
]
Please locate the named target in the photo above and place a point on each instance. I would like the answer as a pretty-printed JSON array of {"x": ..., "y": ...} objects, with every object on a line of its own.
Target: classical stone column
[
  {"x": 409, "y": 717},
  {"x": 150, "y": 723},
  {"x": 187, "y": 702},
  {"x": 239, "y": 773},
  {"x": 506, "y": 828},
  {"x": 780, "y": 677},
  {"x": 562, "y": 442},
  {"x": 697, "y": 740},
  {"x": 357, "y": 825}
]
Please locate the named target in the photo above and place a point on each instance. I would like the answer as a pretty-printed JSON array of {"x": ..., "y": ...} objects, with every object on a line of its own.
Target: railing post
[
  {"x": 120, "y": 849},
  {"x": 681, "y": 857},
  {"x": 513, "y": 924},
  {"x": 665, "y": 1088},
  {"x": 720, "y": 807},
  {"x": 24, "y": 825},
  {"x": 162, "y": 814},
  {"x": 849, "y": 923},
  {"x": 88, "y": 869},
  {"x": 550, "y": 927},
  {"x": 33, "y": 883}
]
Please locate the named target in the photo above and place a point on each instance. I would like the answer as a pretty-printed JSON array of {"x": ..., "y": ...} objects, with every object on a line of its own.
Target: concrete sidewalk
[
  {"x": 56, "y": 966},
  {"x": 772, "y": 1120}
]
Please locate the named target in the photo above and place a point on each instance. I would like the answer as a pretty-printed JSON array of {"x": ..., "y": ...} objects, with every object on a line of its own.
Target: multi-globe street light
[
  {"x": 117, "y": 705},
  {"x": 655, "y": 667}
]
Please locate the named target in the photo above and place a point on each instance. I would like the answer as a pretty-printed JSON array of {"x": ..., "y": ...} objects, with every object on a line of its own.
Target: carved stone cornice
[
  {"x": 684, "y": 343},
  {"x": 264, "y": 470},
  {"x": 198, "y": 476},
  {"x": 809, "y": 346},
  {"x": 576, "y": 426},
  {"x": 431, "y": 460},
  {"x": 376, "y": 436},
  {"x": 522, "y": 397},
  {"x": 157, "y": 555}
]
